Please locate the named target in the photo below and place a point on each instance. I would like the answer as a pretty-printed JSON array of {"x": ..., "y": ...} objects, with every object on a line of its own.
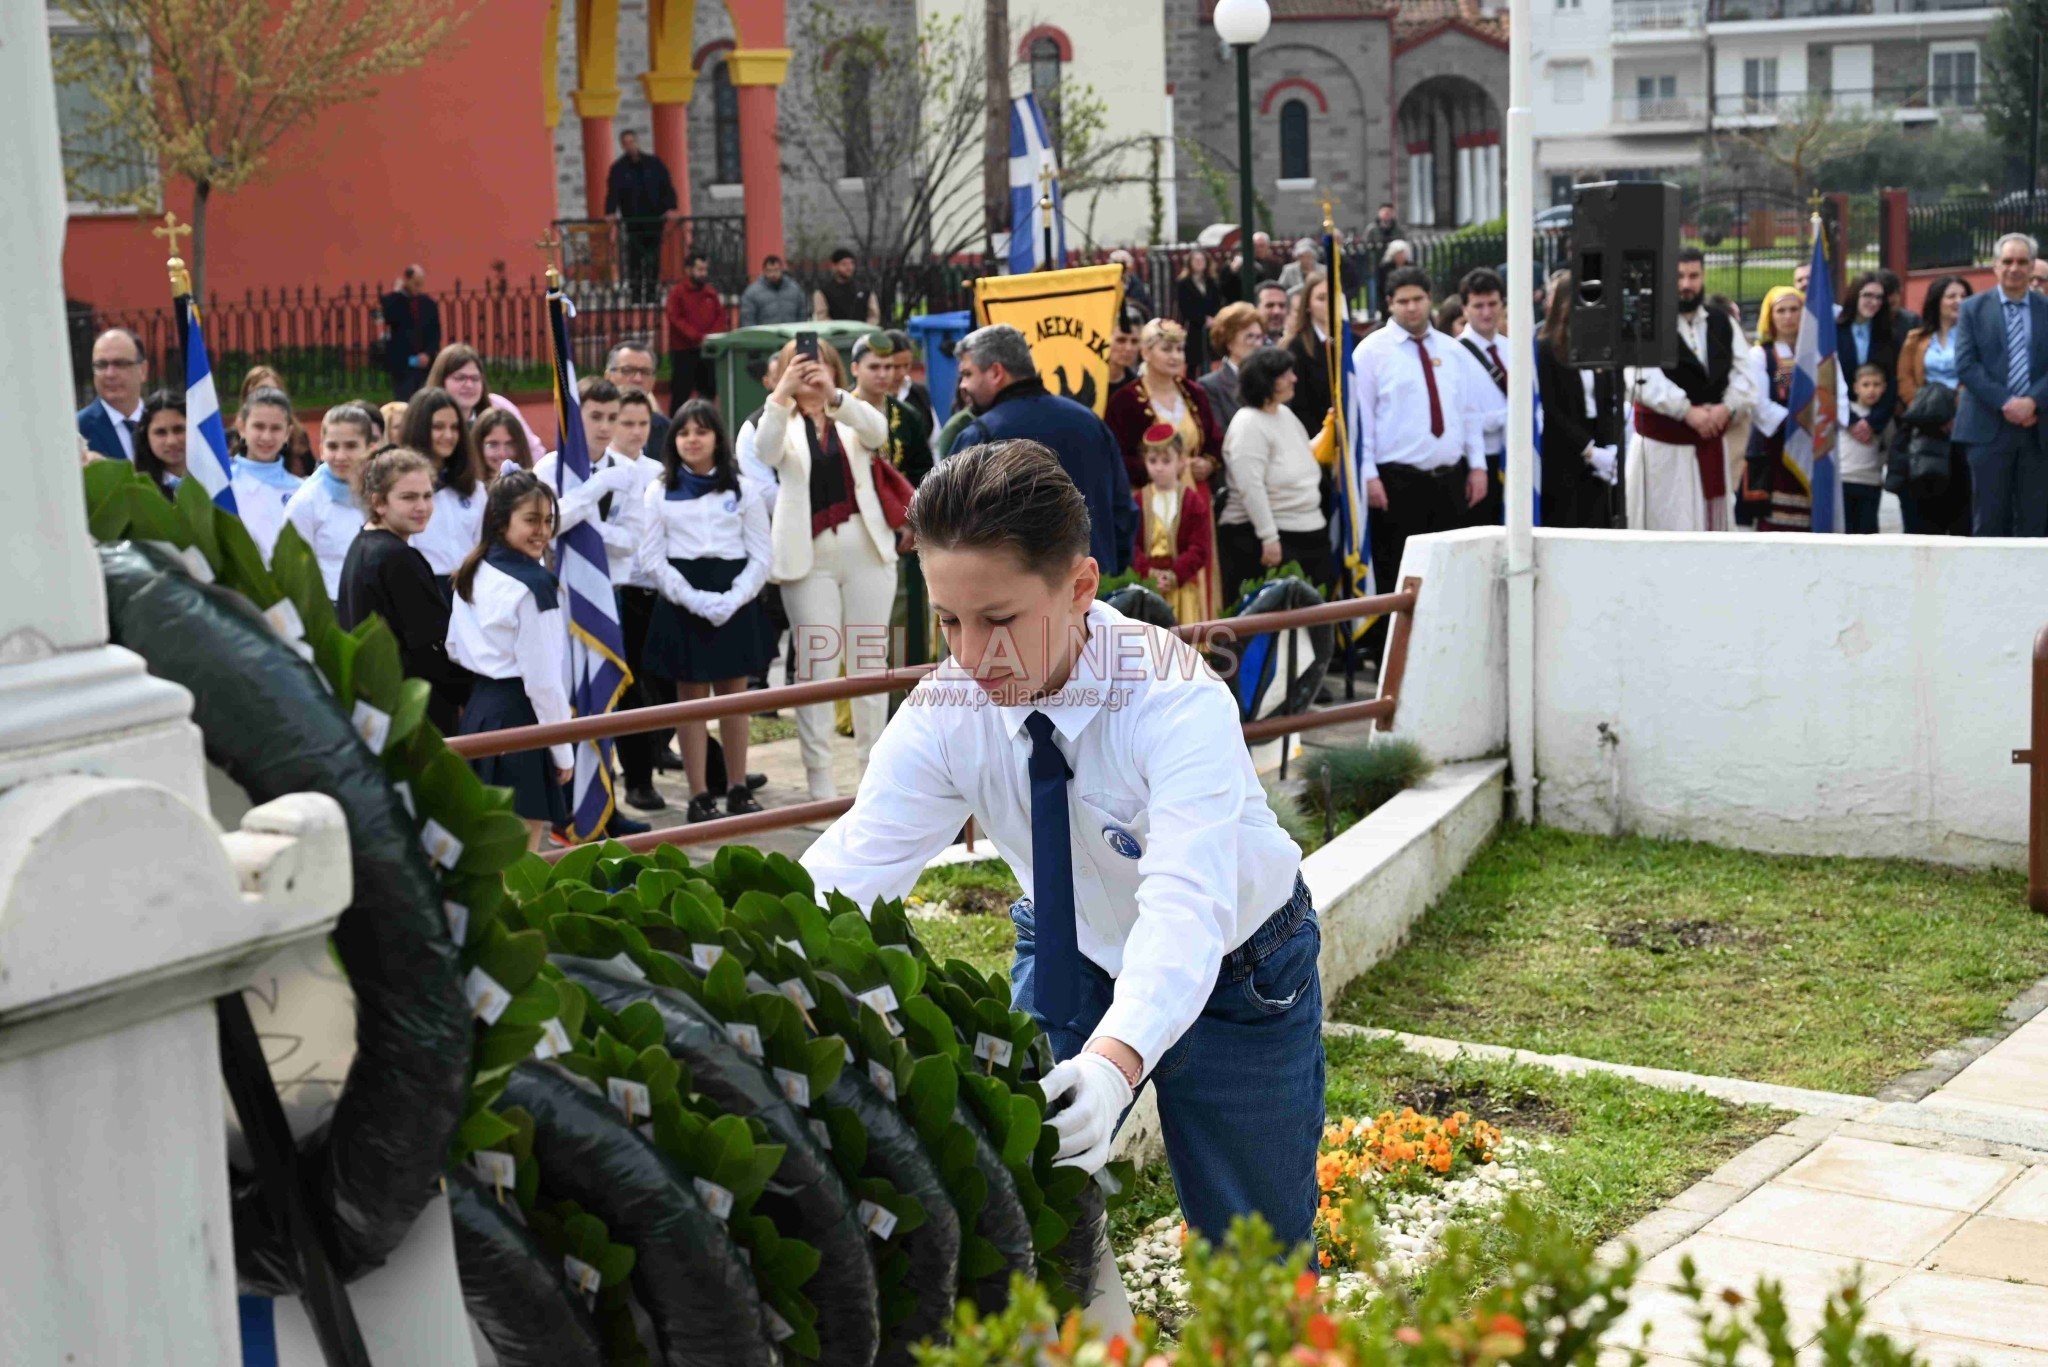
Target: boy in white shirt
[
  {"x": 1863, "y": 452},
  {"x": 1168, "y": 936}
]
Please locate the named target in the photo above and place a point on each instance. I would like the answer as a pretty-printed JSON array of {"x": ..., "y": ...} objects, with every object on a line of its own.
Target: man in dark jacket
[
  {"x": 639, "y": 193},
  {"x": 412, "y": 326},
  {"x": 773, "y": 297},
  {"x": 1000, "y": 378}
]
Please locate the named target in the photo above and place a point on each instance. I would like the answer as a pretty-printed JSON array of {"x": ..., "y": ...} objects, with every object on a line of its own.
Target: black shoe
[
  {"x": 645, "y": 798},
  {"x": 703, "y": 807},
  {"x": 667, "y": 761},
  {"x": 740, "y": 800},
  {"x": 622, "y": 825},
  {"x": 756, "y": 782}
]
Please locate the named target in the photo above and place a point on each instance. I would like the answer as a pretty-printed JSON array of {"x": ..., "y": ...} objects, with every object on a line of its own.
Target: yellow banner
[{"x": 1067, "y": 316}]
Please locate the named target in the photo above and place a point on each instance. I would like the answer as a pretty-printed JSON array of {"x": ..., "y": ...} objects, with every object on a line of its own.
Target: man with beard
[{"x": 1677, "y": 479}]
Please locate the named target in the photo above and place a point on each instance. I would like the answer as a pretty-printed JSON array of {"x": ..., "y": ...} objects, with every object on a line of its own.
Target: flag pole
[
  {"x": 181, "y": 277},
  {"x": 1045, "y": 261}
]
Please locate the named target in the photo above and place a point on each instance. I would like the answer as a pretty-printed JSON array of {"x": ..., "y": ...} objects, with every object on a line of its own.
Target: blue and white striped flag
[
  {"x": 597, "y": 649},
  {"x": 1030, "y": 152},
  {"x": 1810, "y": 445},
  {"x": 206, "y": 440}
]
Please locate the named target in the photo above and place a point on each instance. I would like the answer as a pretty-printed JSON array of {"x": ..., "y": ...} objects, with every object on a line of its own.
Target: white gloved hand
[
  {"x": 1096, "y": 1097},
  {"x": 719, "y": 610},
  {"x": 616, "y": 478},
  {"x": 1601, "y": 459}
]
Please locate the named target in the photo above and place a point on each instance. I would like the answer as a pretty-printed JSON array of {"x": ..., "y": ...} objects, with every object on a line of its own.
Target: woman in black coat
[
  {"x": 1198, "y": 297},
  {"x": 1582, "y": 435}
]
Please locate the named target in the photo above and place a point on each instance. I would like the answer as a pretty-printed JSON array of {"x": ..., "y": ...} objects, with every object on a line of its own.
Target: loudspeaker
[{"x": 1624, "y": 264}]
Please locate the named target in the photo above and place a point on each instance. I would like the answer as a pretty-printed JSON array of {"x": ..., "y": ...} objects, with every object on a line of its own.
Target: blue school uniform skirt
[
  {"x": 684, "y": 648},
  {"x": 497, "y": 705}
]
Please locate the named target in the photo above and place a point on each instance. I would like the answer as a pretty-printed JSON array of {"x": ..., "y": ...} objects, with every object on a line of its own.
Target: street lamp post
[{"x": 1241, "y": 23}]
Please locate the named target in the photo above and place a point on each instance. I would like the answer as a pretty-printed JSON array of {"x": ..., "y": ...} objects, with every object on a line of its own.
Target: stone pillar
[
  {"x": 123, "y": 910},
  {"x": 1895, "y": 232},
  {"x": 597, "y": 93},
  {"x": 757, "y": 73},
  {"x": 670, "y": 81}
]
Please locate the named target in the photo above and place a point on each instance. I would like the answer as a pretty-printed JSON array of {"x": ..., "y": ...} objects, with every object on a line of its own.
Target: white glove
[
  {"x": 1601, "y": 459},
  {"x": 719, "y": 609},
  {"x": 1096, "y": 1096},
  {"x": 616, "y": 478}
]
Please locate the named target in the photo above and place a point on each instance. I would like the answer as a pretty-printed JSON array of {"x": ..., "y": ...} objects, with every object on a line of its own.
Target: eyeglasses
[
  {"x": 631, "y": 372},
  {"x": 114, "y": 364}
]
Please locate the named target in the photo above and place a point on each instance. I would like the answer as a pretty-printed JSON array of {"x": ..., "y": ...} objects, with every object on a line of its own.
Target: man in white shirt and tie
[
  {"x": 1484, "y": 298},
  {"x": 1677, "y": 476},
  {"x": 119, "y": 370},
  {"x": 1418, "y": 427}
]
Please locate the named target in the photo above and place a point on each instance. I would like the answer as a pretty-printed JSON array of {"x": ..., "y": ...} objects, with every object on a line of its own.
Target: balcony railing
[
  {"x": 1655, "y": 16},
  {"x": 1875, "y": 100},
  {"x": 1735, "y": 11},
  {"x": 1686, "y": 109}
]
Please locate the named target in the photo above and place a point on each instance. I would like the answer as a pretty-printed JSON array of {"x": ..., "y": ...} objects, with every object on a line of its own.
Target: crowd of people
[{"x": 783, "y": 536}]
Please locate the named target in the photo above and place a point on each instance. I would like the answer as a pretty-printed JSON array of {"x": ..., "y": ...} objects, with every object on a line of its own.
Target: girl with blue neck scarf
[
  {"x": 707, "y": 552},
  {"x": 261, "y": 483},
  {"x": 324, "y": 508}
]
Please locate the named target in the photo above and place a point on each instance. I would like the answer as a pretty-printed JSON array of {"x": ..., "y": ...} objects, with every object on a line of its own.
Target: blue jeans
[{"x": 1241, "y": 1093}]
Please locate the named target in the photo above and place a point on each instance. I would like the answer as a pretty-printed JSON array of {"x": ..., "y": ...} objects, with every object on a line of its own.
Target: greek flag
[
  {"x": 206, "y": 440},
  {"x": 597, "y": 649},
  {"x": 1810, "y": 445},
  {"x": 1030, "y": 152}
]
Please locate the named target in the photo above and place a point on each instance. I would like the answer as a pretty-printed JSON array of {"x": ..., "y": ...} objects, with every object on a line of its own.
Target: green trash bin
[{"x": 741, "y": 355}]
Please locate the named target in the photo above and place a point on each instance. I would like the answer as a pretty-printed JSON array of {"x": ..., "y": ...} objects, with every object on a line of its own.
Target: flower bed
[{"x": 1424, "y": 1152}]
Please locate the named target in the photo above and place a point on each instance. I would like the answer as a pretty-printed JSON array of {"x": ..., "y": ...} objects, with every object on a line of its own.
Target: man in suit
[
  {"x": 119, "y": 370},
  {"x": 2002, "y": 363},
  {"x": 412, "y": 324}
]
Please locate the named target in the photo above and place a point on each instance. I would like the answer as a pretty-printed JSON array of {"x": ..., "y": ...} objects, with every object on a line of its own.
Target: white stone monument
[{"x": 124, "y": 910}]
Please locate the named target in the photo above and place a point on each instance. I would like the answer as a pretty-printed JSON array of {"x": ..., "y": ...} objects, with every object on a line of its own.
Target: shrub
[{"x": 1354, "y": 779}]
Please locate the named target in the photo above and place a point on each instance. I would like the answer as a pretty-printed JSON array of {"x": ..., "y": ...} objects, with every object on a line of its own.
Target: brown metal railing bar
[
  {"x": 1269, "y": 728},
  {"x": 664, "y": 715},
  {"x": 1397, "y": 650}
]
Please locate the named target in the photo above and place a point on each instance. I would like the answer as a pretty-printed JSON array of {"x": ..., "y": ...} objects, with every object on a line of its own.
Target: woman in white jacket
[{"x": 832, "y": 550}]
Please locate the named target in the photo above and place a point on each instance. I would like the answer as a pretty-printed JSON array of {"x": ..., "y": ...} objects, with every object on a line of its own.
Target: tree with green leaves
[
  {"x": 1804, "y": 134},
  {"x": 207, "y": 89},
  {"x": 2007, "y": 91}
]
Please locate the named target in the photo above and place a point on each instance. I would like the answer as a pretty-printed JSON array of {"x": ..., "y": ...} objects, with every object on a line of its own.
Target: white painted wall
[
  {"x": 1823, "y": 695},
  {"x": 1120, "y": 51}
]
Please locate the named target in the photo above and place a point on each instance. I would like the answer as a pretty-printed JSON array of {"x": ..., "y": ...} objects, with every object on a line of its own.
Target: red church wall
[{"x": 450, "y": 165}]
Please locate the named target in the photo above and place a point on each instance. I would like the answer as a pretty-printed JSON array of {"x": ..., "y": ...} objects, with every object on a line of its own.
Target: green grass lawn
[
  {"x": 1837, "y": 974},
  {"x": 763, "y": 730},
  {"x": 1618, "y": 1149},
  {"x": 979, "y": 930}
]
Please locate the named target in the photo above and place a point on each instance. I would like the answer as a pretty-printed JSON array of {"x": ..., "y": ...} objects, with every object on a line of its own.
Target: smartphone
[{"x": 807, "y": 346}]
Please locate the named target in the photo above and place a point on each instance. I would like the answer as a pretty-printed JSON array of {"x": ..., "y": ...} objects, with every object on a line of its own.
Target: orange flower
[
  {"x": 1118, "y": 1351},
  {"x": 1305, "y": 1286},
  {"x": 1409, "y": 1335}
]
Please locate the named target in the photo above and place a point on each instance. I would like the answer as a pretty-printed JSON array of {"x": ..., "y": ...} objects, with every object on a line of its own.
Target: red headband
[{"x": 1160, "y": 433}]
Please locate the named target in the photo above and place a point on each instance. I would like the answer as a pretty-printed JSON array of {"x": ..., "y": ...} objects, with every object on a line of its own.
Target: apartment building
[{"x": 1635, "y": 88}]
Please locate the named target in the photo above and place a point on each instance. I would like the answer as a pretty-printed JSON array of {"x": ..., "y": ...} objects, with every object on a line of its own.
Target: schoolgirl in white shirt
[
  {"x": 433, "y": 427},
  {"x": 506, "y": 628},
  {"x": 1168, "y": 936},
  {"x": 261, "y": 483},
  {"x": 499, "y": 441},
  {"x": 707, "y": 554},
  {"x": 324, "y": 508}
]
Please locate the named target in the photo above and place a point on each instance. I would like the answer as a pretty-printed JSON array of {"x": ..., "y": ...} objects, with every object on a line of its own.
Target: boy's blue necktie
[{"x": 1056, "y": 975}]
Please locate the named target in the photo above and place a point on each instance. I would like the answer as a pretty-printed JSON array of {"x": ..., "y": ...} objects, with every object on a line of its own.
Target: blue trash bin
[{"x": 935, "y": 335}]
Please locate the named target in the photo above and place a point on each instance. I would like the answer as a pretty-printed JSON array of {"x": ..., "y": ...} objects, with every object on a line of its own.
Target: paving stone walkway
[{"x": 1945, "y": 1214}]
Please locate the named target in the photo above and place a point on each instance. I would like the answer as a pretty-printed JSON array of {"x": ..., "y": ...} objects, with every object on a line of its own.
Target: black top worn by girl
[
  {"x": 385, "y": 576},
  {"x": 831, "y": 478}
]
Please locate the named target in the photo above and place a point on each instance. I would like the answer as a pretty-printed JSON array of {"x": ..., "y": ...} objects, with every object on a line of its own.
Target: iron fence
[
  {"x": 1960, "y": 231},
  {"x": 327, "y": 345},
  {"x": 643, "y": 257}
]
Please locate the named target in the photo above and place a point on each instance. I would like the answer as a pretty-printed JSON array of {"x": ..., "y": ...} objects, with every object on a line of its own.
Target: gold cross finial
[
  {"x": 171, "y": 231},
  {"x": 1329, "y": 215},
  {"x": 550, "y": 248},
  {"x": 1045, "y": 180}
]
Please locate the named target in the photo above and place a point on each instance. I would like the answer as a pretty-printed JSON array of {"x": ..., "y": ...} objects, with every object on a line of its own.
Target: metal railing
[
  {"x": 326, "y": 345},
  {"x": 1960, "y": 231},
  {"x": 645, "y": 256},
  {"x": 1738, "y": 11},
  {"x": 1689, "y": 109},
  {"x": 1801, "y": 103},
  {"x": 1205, "y": 635},
  {"x": 1667, "y": 16},
  {"x": 2036, "y": 758}
]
